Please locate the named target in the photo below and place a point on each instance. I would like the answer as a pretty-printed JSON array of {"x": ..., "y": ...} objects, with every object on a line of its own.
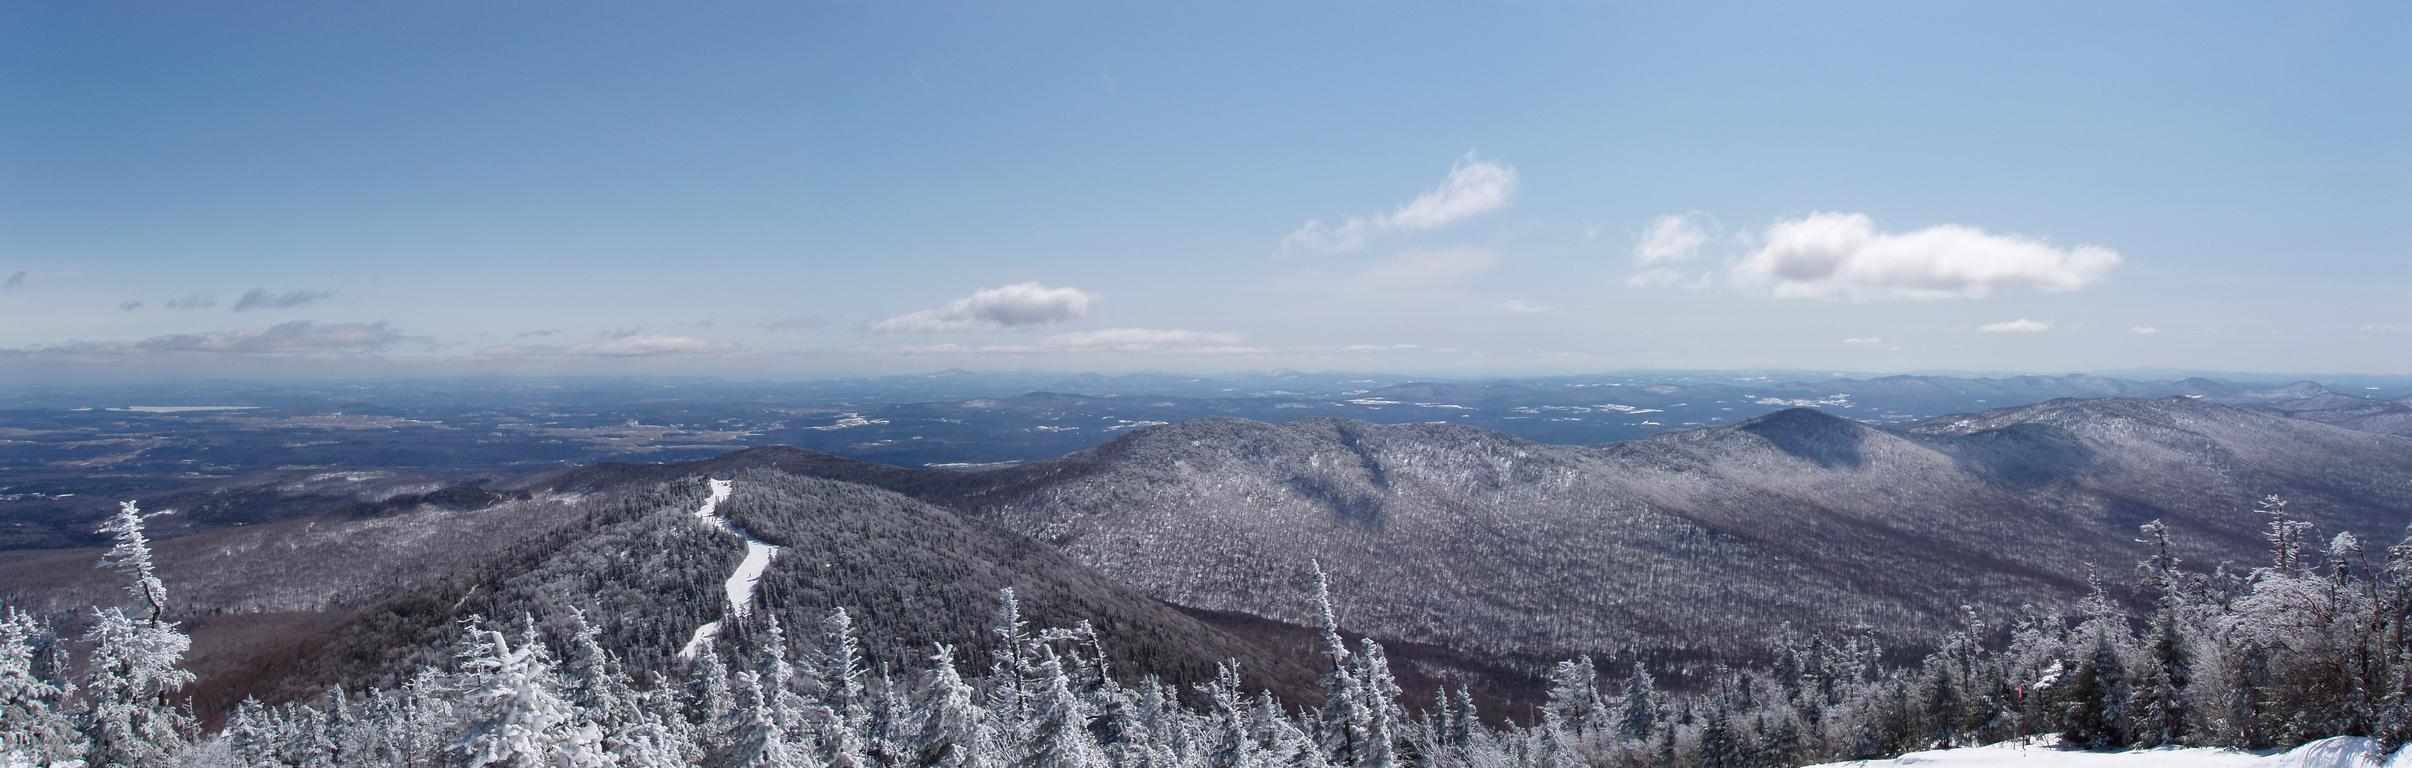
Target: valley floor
[{"x": 2044, "y": 752}]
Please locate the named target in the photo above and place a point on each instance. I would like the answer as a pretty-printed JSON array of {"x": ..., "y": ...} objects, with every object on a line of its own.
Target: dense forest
[{"x": 2315, "y": 642}]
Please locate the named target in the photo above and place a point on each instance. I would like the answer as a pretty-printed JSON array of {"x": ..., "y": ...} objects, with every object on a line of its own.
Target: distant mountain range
[
  {"x": 61, "y": 465},
  {"x": 1460, "y": 536}
]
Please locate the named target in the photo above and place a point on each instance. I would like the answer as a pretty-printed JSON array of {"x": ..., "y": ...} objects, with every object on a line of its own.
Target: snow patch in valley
[
  {"x": 745, "y": 580},
  {"x": 2044, "y": 752},
  {"x": 848, "y": 420}
]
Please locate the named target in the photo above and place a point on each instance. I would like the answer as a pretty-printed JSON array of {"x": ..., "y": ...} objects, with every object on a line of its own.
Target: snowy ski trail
[{"x": 743, "y": 582}]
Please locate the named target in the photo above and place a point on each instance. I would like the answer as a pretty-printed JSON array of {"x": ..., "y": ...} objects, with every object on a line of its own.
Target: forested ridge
[{"x": 2314, "y": 642}]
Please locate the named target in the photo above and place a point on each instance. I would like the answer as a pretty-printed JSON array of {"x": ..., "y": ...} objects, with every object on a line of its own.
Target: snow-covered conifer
[
  {"x": 33, "y": 727},
  {"x": 1059, "y": 725},
  {"x": 512, "y": 710}
]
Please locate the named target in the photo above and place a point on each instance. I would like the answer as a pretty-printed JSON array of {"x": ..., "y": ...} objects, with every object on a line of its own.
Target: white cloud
[
  {"x": 1526, "y": 307},
  {"x": 194, "y": 301},
  {"x": 1843, "y": 256},
  {"x": 2021, "y": 325},
  {"x": 2144, "y": 330},
  {"x": 1020, "y": 305},
  {"x": 2380, "y": 328},
  {"x": 1473, "y": 188},
  {"x": 1863, "y": 340},
  {"x": 1673, "y": 238}
]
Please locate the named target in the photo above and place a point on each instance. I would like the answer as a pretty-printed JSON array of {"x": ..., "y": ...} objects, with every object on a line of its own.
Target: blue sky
[{"x": 791, "y": 189}]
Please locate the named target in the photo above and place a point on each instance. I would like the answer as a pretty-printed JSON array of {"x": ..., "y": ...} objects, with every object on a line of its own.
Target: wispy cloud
[
  {"x": 1153, "y": 341},
  {"x": 1673, "y": 238},
  {"x": 128, "y": 306},
  {"x": 192, "y": 301},
  {"x": 260, "y": 298},
  {"x": 15, "y": 281},
  {"x": 2380, "y": 328},
  {"x": 1020, "y": 305},
  {"x": 1140, "y": 339},
  {"x": 795, "y": 323},
  {"x": 2021, "y": 325},
  {"x": 628, "y": 346},
  {"x": 1473, "y": 188},
  {"x": 300, "y": 338},
  {"x": 1863, "y": 340},
  {"x": 1525, "y": 307},
  {"x": 1429, "y": 269},
  {"x": 1844, "y": 256},
  {"x": 2144, "y": 330},
  {"x": 537, "y": 334}
]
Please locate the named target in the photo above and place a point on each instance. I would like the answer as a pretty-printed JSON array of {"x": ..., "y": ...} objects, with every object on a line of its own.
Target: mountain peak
[{"x": 1812, "y": 434}]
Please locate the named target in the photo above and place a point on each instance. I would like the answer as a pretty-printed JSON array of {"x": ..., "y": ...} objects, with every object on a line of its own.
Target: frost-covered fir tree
[
  {"x": 784, "y": 706},
  {"x": 1384, "y": 722},
  {"x": 2160, "y": 698},
  {"x": 2097, "y": 692},
  {"x": 1344, "y": 719},
  {"x": 1638, "y": 717},
  {"x": 835, "y": 709},
  {"x": 954, "y": 732},
  {"x": 130, "y": 551},
  {"x": 1059, "y": 724},
  {"x": 1572, "y": 687},
  {"x": 1230, "y": 738},
  {"x": 514, "y": 714},
  {"x": 1010, "y": 667},
  {"x": 130, "y": 718},
  {"x": 750, "y": 736},
  {"x": 33, "y": 727},
  {"x": 708, "y": 695}
]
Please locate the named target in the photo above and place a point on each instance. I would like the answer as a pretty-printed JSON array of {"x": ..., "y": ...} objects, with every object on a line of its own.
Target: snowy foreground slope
[{"x": 2041, "y": 752}]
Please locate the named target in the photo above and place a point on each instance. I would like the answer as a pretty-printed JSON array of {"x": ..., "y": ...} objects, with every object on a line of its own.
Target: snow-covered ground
[
  {"x": 744, "y": 580},
  {"x": 2339, "y": 752}
]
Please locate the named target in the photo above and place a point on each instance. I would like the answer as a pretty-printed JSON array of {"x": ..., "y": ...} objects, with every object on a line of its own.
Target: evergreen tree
[
  {"x": 1231, "y": 741},
  {"x": 709, "y": 698},
  {"x": 130, "y": 551},
  {"x": 1344, "y": 721},
  {"x": 127, "y": 683},
  {"x": 1010, "y": 667},
  {"x": 513, "y": 711},
  {"x": 2160, "y": 705},
  {"x": 777, "y": 677},
  {"x": 1641, "y": 704},
  {"x": 33, "y": 726},
  {"x": 751, "y": 735},
  {"x": 2096, "y": 717},
  {"x": 1383, "y": 719},
  {"x": 836, "y": 709},
  {"x": 1059, "y": 725},
  {"x": 1572, "y": 689},
  {"x": 954, "y": 731}
]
